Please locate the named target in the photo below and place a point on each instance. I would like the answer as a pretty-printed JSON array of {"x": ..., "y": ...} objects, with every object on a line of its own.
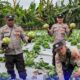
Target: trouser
[
  {"x": 17, "y": 60},
  {"x": 68, "y": 72}
]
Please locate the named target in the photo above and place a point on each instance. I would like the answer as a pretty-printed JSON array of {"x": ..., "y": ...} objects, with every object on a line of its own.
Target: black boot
[
  {"x": 12, "y": 74},
  {"x": 23, "y": 75}
]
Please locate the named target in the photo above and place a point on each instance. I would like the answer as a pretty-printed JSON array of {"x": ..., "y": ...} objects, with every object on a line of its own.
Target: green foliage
[
  {"x": 71, "y": 12},
  {"x": 44, "y": 13},
  {"x": 2, "y": 59},
  {"x": 74, "y": 37},
  {"x": 4, "y": 75}
]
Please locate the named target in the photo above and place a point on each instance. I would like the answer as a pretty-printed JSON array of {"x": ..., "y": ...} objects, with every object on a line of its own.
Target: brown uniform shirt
[
  {"x": 59, "y": 31},
  {"x": 16, "y": 35}
]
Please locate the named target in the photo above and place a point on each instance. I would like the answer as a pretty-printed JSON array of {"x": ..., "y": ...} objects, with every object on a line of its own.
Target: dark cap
[
  {"x": 60, "y": 16},
  {"x": 58, "y": 45},
  {"x": 10, "y": 17}
]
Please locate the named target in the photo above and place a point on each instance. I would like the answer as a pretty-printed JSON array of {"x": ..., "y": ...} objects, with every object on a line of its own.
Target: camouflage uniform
[{"x": 14, "y": 53}]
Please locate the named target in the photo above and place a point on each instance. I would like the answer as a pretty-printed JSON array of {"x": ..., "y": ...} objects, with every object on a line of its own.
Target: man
[
  {"x": 65, "y": 61},
  {"x": 13, "y": 52},
  {"x": 59, "y": 29}
]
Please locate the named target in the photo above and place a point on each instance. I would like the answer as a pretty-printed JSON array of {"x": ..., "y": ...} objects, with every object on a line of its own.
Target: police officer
[
  {"x": 13, "y": 53},
  {"x": 59, "y": 29},
  {"x": 65, "y": 61}
]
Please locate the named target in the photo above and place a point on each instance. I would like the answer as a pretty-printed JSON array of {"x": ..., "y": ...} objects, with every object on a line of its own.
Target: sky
[{"x": 26, "y": 3}]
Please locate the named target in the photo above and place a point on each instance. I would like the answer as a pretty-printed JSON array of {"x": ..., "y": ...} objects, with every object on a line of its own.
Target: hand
[
  {"x": 4, "y": 46},
  {"x": 49, "y": 33},
  {"x": 29, "y": 40},
  {"x": 70, "y": 32},
  {"x": 76, "y": 73}
]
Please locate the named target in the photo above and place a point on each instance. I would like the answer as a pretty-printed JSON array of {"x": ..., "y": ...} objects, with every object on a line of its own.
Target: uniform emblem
[{"x": 56, "y": 45}]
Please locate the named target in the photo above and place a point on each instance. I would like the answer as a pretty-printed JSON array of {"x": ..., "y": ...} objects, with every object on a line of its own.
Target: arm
[
  {"x": 23, "y": 36},
  {"x": 1, "y": 36},
  {"x": 50, "y": 31},
  {"x": 59, "y": 68},
  {"x": 68, "y": 31},
  {"x": 76, "y": 56},
  {"x": 75, "y": 53},
  {"x": 3, "y": 45}
]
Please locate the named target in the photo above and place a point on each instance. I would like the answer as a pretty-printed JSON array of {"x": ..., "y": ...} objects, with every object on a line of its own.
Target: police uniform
[
  {"x": 16, "y": 35},
  {"x": 14, "y": 53},
  {"x": 59, "y": 30},
  {"x": 65, "y": 64}
]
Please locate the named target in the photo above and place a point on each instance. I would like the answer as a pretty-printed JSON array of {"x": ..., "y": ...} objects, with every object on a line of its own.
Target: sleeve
[
  {"x": 23, "y": 36},
  {"x": 59, "y": 68},
  {"x": 51, "y": 31},
  {"x": 1, "y": 36},
  {"x": 76, "y": 56},
  {"x": 67, "y": 30},
  {"x": 78, "y": 62}
]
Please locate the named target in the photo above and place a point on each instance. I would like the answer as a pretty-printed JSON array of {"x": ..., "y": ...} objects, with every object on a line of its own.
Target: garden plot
[
  {"x": 28, "y": 46},
  {"x": 37, "y": 74},
  {"x": 33, "y": 74},
  {"x": 38, "y": 56},
  {"x": 44, "y": 53}
]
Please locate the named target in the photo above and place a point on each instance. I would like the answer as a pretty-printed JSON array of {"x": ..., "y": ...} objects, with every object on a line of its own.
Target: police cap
[
  {"x": 10, "y": 17},
  {"x": 59, "y": 16}
]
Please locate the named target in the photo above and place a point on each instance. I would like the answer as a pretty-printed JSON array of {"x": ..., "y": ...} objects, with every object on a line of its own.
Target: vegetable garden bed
[{"x": 38, "y": 55}]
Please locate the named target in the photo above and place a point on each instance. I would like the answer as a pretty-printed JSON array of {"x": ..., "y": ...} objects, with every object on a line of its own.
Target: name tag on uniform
[{"x": 7, "y": 34}]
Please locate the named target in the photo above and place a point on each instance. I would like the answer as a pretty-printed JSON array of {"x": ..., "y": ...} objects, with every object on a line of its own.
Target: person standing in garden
[
  {"x": 59, "y": 29},
  {"x": 13, "y": 50},
  {"x": 66, "y": 60}
]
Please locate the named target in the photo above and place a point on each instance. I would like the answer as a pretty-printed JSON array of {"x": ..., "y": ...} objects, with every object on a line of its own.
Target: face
[
  {"x": 62, "y": 50},
  {"x": 60, "y": 20},
  {"x": 10, "y": 23}
]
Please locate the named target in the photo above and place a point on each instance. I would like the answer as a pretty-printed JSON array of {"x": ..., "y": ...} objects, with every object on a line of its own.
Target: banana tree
[
  {"x": 5, "y": 7},
  {"x": 45, "y": 11},
  {"x": 72, "y": 12},
  {"x": 32, "y": 17}
]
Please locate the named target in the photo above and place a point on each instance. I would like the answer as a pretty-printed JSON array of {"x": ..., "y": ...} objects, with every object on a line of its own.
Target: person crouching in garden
[{"x": 65, "y": 61}]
